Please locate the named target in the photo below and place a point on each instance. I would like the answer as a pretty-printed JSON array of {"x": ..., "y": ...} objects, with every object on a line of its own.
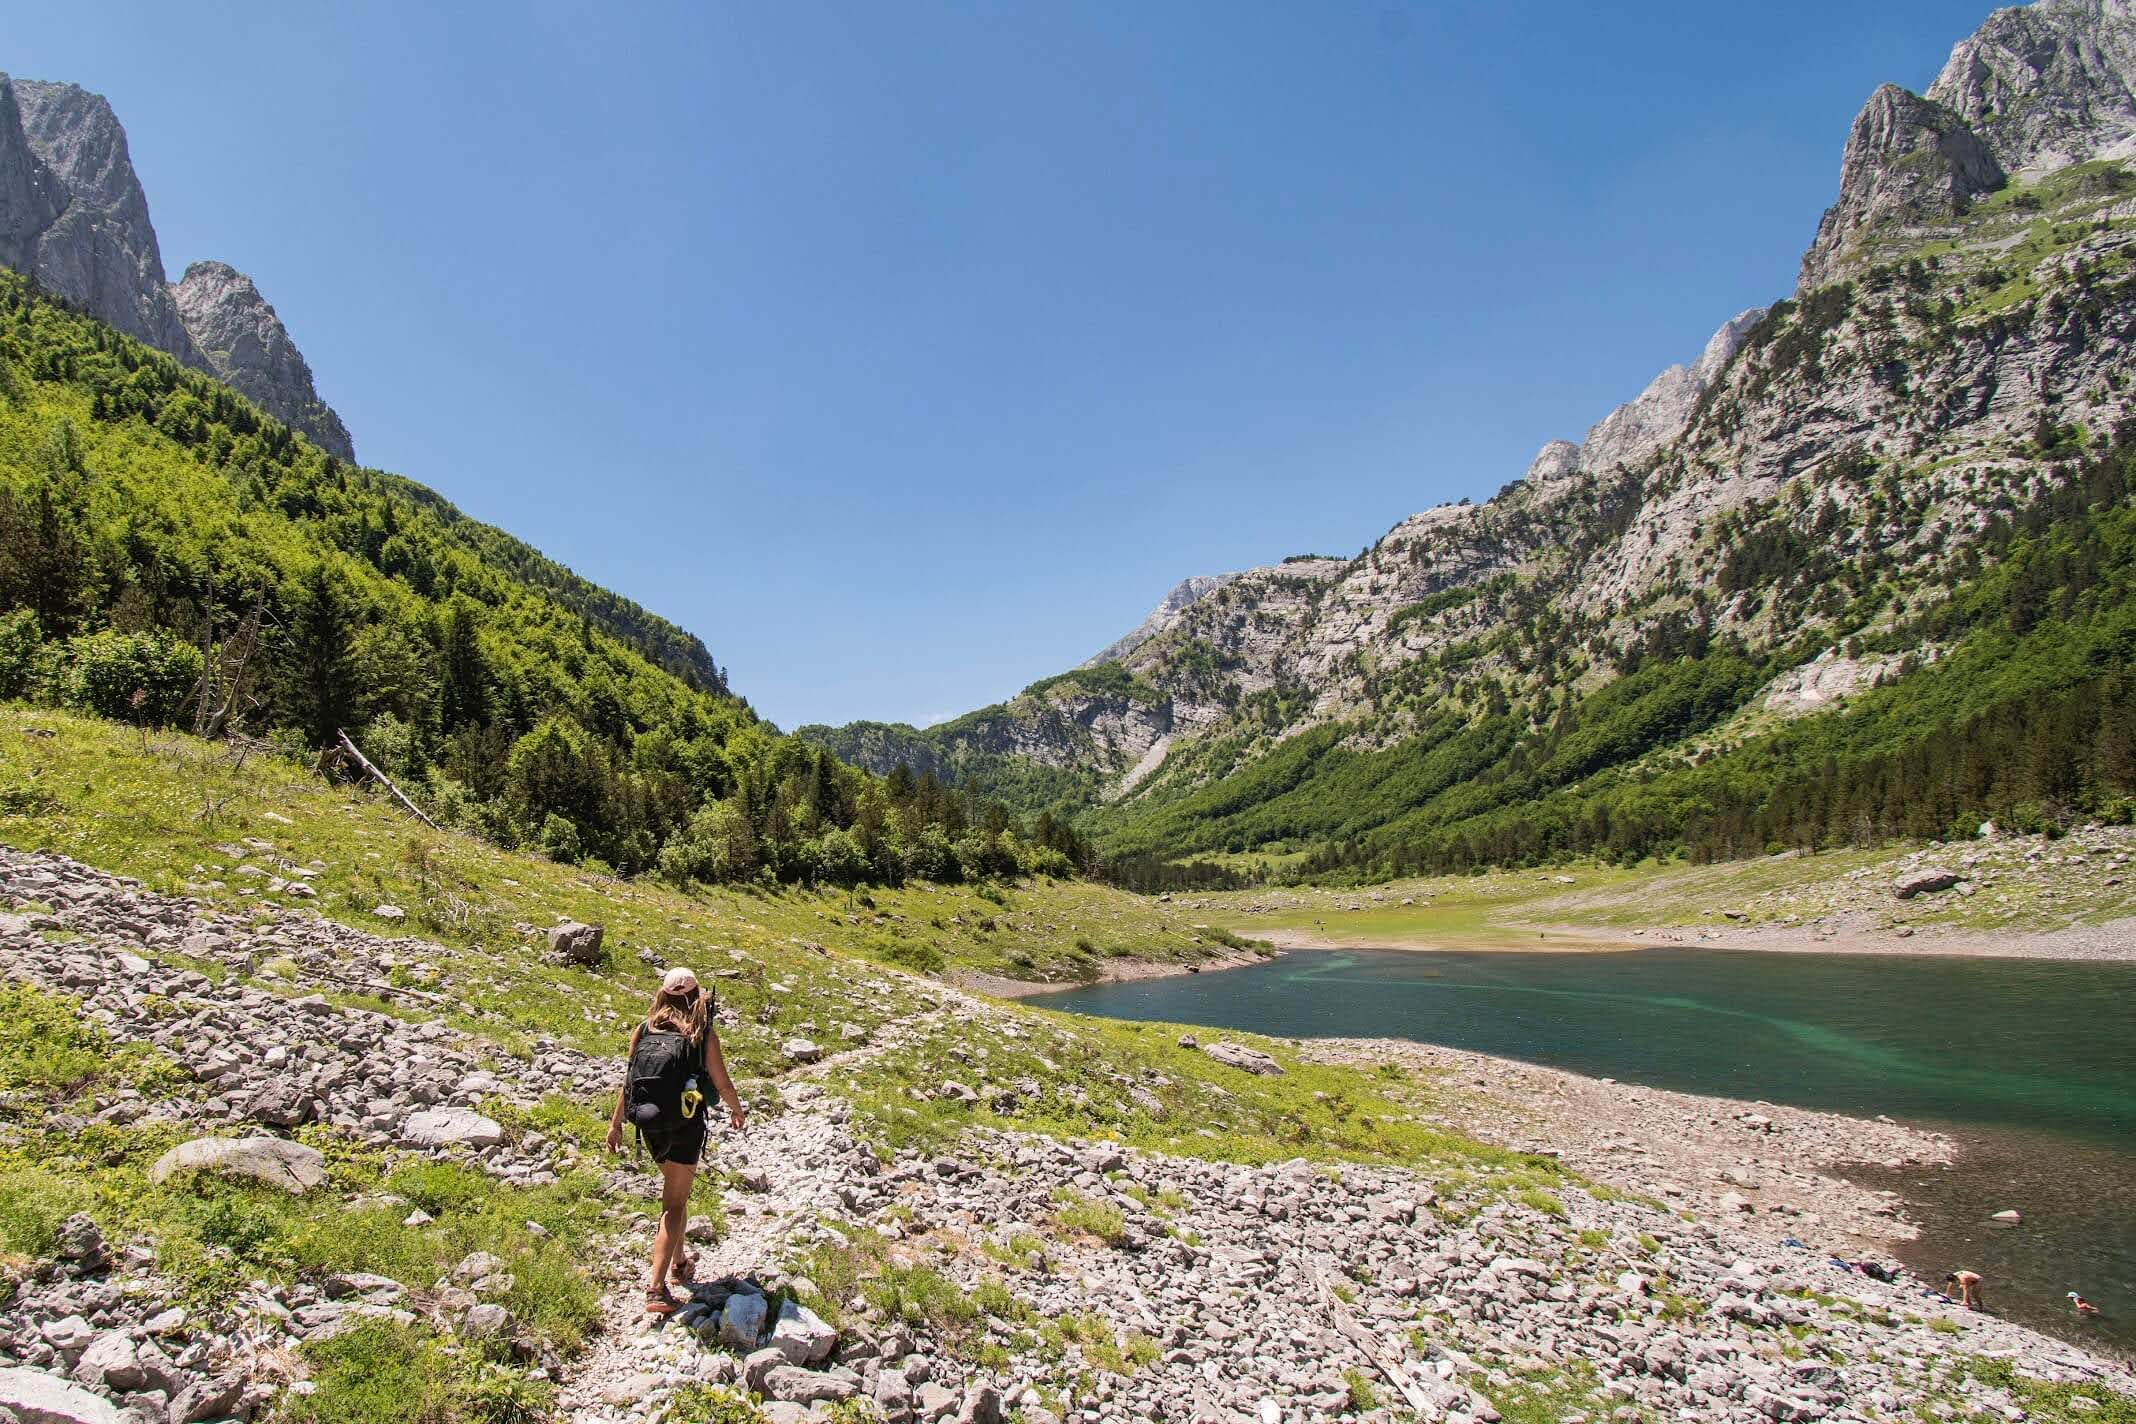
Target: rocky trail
[{"x": 1010, "y": 1271}]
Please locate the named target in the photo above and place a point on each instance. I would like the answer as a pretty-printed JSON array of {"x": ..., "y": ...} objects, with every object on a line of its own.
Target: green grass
[
  {"x": 93, "y": 791},
  {"x": 1063, "y": 1073},
  {"x": 383, "y": 1373},
  {"x": 1079, "y": 1216}
]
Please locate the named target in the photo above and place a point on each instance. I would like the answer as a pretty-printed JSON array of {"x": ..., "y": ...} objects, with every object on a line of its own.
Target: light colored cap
[{"x": 678, "y": 981}]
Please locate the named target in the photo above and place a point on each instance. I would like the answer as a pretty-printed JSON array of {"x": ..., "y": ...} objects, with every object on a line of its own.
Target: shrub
[
  {"x": 43, "y": 1044},
  {"x": 912, "y": 954},
  {"x": 32, "y": 1205},
  {"x": 1091, "y": 1218},
  {"x": 102, "y": 672},
  {"x": 20, "y": 639}
]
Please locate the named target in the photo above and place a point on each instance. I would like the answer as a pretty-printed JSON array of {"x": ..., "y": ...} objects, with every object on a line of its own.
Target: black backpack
[{"x": 660, "y": 1065}]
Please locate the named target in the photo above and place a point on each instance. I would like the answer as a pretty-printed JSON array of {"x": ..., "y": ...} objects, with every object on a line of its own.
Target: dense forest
[{"x": 170, "y": 555}]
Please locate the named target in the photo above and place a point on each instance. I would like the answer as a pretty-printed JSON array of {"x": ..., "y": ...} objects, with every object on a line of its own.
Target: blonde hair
[{"x": 679, "y": 1011}]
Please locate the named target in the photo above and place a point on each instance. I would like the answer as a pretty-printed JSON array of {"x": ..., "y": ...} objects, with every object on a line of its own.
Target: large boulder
[
  {"x": 450, "y": 1127},
  {"x": 1252, "y": 1060},
  {"x": 111, "y": 1362},
  {"x": 741, "y": 1320},
  {"x": 801, "y": 1336},
  {"x": 1924, "y": 880},
  {"x": 292, "y": 1166},
  {"x": 35, "y": 1397},
  {"x": 574, "y": 943}
]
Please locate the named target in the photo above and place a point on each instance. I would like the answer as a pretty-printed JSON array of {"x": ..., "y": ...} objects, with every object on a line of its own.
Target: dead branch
[{"x": 382, "y": 779}]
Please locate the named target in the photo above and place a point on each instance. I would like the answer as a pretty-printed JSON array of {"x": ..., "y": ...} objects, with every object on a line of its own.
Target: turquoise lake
[{"x": 2031, "y": 1064}]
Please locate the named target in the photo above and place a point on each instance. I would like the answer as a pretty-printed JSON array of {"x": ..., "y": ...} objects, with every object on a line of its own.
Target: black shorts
[{"x": 681, "y": 1142}]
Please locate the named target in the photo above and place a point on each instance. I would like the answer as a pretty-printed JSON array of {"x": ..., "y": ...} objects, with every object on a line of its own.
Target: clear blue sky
[{"x": 909, "y": 352}]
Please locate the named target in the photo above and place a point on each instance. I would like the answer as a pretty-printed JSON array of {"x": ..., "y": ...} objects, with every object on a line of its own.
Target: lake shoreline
[
  {"x": 1126, "y": 970},
  {"x": 1767, "y": 1175},
  {"x": 2111, "y": 942}
]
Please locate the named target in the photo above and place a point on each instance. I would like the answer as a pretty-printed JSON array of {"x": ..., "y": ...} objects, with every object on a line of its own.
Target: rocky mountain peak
[
  {"x": 2047, "y": 85},
  {"x": 74, "y": 216},
  {"x": 248, "y": 347},
  {"x": 87, "y": 237},
  {"x": 1910, "y": 165}
]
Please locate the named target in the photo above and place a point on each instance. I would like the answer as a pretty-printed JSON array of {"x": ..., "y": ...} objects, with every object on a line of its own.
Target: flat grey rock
[{"x": 291, "y": 1166}]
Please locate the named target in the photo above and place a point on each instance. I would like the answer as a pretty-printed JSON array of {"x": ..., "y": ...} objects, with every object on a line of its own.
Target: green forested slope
[
  {"x": 153, "y": 526},
  {"x": 2028, "y": 718}
]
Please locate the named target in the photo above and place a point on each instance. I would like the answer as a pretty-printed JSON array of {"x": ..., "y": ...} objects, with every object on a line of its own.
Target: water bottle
[{"x": 692, "y": 1099}]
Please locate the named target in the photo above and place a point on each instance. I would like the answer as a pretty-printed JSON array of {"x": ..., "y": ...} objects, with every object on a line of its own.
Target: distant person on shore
[
  {"x": 2082, "y": 1306},
  {"x": 1966, "y": 1286},
  {"x": 670, "y": 1053}
]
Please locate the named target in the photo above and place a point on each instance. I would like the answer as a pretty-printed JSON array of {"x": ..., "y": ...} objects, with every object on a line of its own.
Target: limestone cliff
[
  {"x": 2047, "y": 85},
  {"x": 245, "y": 343},
  {"x": 74, "y": 216},
  {"x": 1911, "y": 168}
]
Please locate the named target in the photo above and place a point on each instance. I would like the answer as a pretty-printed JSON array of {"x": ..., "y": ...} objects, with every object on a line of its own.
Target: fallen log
[{"x": 383, "y": 780}]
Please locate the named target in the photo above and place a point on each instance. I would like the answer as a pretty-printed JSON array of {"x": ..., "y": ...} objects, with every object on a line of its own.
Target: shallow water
[{"x": 2031, "y": 1063}]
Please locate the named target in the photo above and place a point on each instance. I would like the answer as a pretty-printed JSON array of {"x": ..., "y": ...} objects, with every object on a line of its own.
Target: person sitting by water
[
  {"x": 2083, "y": 1306},
  {"x": 1966, "y": 1286}
]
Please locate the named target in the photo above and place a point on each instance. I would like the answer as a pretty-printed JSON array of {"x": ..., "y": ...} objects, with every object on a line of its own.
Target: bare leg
[{"x": 675, "y": 1180}]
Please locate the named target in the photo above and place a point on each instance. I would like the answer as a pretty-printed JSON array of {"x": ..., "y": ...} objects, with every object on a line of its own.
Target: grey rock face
[
  {"x": 245, "y": 343},
  {"x": 96, "y": 248},
  {"x": 1184, "y": 595},
  {"x": 1636, "y": 430},
  {"x": 35, "y": 1397},
  {"x": 73, "y": 215},
  {"x": 30, "y": 196},
  {"x": 574, "y": 943},
  {"x": 2047, "y": 85},
  {"x": 1910, "y": 164},
  {"x": 1556, "y": 460}
]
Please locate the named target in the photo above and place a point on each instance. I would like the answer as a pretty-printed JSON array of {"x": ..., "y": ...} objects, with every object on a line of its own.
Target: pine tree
[{"x": 319, "y": 639}]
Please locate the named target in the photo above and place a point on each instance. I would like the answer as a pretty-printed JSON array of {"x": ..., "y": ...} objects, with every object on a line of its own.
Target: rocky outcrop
[
  {"x": 1637, "y": 430},
  {"x": 74, "y": 216},
  {"x": 245, "y": 344},
  {"x": 2047, "y": 85},
  {"x": 1184, "y": 595},
  {"x": 86, "y": 235},
  {"x": 1910, "y": 165}
]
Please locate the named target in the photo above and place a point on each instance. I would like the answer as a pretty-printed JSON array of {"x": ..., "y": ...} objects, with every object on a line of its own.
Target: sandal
[
  {"x": 682, "y": 1269},
  {"x": 659, "y": 1302}
]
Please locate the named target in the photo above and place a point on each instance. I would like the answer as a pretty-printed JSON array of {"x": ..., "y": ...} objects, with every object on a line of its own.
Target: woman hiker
[{"x": 670, "y": 1052}]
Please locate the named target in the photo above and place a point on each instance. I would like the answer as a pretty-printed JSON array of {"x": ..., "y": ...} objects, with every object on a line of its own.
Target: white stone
[
  {"x": 35, "y": 1397},
  {"x": 450, "y": 1127},
  {"x": 801, "y": 1336}
]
